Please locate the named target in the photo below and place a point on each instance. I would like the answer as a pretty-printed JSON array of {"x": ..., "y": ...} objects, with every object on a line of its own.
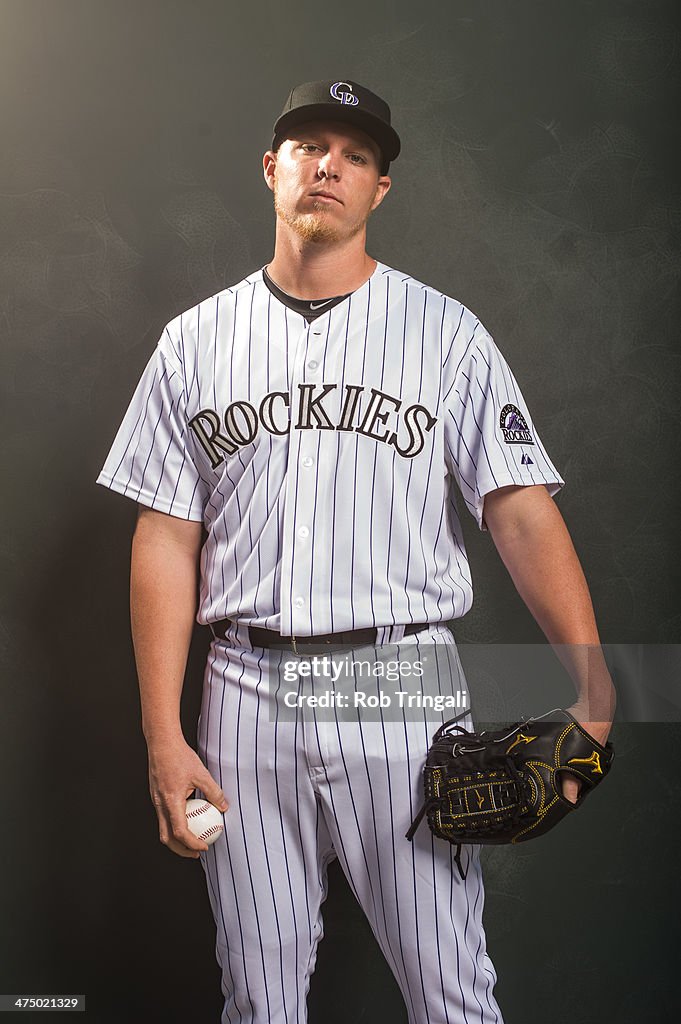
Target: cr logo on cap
[{"x": 345, "y": 97}]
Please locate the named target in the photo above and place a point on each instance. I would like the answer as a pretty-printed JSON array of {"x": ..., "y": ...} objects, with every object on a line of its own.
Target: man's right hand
[{"x": 175, "y": 771}]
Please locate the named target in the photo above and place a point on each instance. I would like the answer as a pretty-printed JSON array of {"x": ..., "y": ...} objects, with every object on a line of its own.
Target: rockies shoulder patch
[{"x": 513, "y": 426}]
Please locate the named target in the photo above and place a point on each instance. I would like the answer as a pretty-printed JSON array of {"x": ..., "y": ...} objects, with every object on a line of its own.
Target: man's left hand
[{"x": 570, "y": 786}]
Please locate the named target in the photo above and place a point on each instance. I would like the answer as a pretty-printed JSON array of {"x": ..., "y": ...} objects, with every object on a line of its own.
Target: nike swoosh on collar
[{"x": 318, "y": 305}]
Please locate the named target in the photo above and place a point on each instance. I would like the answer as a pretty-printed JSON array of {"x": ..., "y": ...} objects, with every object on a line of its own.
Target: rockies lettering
[{"x": 240, "y": 423}]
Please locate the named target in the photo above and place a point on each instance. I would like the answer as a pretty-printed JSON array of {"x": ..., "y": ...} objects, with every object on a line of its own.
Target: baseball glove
[{"x": 503, "y": 786}]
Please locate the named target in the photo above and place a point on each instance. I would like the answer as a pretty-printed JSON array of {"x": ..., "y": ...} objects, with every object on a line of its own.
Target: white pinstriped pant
[{"x": 304, "y": 791}]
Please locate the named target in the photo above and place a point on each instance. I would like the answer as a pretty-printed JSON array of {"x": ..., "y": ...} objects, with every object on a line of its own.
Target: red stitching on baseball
[
  {"x": 210, "y": 831},
  {"x": 199, "y": 810}
]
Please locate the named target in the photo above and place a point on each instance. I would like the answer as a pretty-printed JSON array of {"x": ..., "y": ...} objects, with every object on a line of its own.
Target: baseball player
[{"x": 294, "y": 445}]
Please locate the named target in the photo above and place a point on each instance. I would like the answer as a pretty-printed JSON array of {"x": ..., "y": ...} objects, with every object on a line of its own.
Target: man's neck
[{"x": 315, "y": 270}]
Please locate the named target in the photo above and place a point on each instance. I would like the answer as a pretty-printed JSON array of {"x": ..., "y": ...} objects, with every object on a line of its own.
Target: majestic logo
[
  {"x": 514, "y": 427},
  {"x": 348, "y": 98},
  {"x": 241, "y": 421}
]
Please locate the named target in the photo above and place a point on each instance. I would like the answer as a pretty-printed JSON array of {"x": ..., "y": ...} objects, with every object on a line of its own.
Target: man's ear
[
  {"x": 382, "y": 189},
  {"x": 269, "y": 163}
]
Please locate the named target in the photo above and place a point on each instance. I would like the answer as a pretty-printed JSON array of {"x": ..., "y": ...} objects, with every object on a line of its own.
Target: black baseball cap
[{"x": 340, "y": 101}]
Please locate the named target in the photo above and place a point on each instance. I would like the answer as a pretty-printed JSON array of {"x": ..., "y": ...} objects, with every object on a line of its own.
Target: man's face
[{"x": 326, "y": 180}]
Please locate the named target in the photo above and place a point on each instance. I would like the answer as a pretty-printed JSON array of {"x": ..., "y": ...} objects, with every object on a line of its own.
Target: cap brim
[{"x": 383, "y": 134}]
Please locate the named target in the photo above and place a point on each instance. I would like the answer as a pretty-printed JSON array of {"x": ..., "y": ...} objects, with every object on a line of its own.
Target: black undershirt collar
[{"x": 306, "y": 307}]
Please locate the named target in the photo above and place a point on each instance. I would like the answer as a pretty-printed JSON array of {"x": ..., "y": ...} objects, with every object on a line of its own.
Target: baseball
[{"x": 204, "y": 820}]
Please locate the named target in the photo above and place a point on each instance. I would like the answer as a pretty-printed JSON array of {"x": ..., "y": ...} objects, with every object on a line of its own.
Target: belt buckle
[{"x": 294, "y": 644}]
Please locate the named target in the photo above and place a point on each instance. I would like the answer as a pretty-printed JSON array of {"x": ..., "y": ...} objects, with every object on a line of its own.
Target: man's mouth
[{"x": 325, "y": 195}]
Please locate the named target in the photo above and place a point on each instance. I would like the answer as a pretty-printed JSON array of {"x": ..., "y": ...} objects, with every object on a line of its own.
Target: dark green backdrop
[{"x": 539, "y": 185}]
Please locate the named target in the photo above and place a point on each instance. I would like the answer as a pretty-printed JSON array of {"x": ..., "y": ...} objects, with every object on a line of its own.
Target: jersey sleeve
[
  {"x": 490, "y": 438},
  {"x": 151, "y": 458}
]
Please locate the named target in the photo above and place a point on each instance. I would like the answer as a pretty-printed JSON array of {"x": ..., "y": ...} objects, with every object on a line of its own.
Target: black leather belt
[{"x": 320, "y": 643}]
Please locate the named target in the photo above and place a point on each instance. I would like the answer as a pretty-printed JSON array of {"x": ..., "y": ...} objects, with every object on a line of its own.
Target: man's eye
[
  {"x": 309, "y": 145},
  {"x": 357, "y": 158}
]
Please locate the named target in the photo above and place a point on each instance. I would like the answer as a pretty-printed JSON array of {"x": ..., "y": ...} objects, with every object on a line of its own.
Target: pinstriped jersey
[{"x": 322, "y": 457}]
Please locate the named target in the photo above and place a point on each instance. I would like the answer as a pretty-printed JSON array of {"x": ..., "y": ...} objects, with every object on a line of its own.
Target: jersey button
[
  {"x": 307, "y": 461},
  {"x": 313, "y": 364},
  {"x": 299, "y": 602},
  {"x": 303, "y": 532}
]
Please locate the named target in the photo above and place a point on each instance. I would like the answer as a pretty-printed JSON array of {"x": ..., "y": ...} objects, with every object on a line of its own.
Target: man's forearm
[
  {"x": 534, "y": 544},
  {"x": 163, "y": 598}
]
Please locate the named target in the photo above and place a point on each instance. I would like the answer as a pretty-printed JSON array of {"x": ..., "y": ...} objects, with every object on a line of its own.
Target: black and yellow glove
[{"x": 504, "y": 786}]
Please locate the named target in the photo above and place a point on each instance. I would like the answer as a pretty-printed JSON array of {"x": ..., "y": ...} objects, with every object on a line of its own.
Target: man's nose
[{"x": 329, "y": 165}]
